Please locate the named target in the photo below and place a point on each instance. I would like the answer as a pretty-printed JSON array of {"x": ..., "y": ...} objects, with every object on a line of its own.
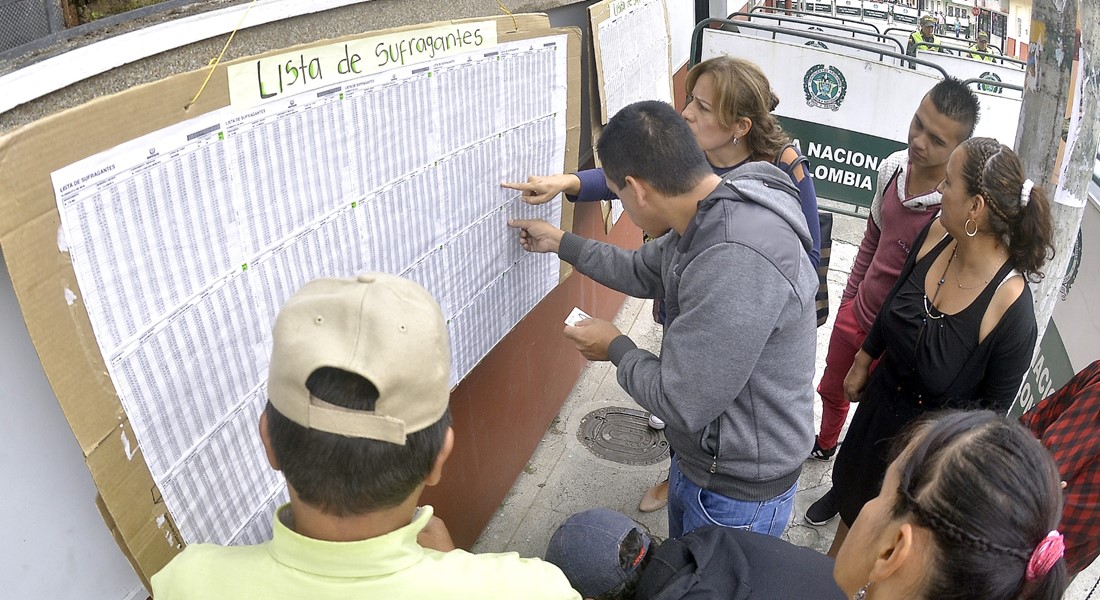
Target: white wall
[
  {"x": 54, "y": 543},
  {"x": 1019, "y": 21},
  {"x": 681, "y": 22},
  {"x": 720, "y": 9}
]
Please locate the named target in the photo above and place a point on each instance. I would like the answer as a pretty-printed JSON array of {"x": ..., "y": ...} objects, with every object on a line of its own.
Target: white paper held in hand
[{"x": 576, "y": 316}]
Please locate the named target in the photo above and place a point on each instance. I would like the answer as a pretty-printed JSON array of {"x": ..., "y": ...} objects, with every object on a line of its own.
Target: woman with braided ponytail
[
  {"x": 967, "y": 511},
  {"x": 958, "y": 328}
]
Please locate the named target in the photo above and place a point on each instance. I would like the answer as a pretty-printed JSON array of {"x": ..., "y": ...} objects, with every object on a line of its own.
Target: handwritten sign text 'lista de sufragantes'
[{"x": 256, "y": 81}]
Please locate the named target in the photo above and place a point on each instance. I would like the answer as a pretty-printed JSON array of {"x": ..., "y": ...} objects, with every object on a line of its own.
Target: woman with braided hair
[
  {"x": 958, "y": 328},
  {"x": 967, "y": 511}
]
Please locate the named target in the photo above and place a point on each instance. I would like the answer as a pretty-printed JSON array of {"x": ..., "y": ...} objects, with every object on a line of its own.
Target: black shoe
[
  {"x": 822, "y": 454},
  {"x": 822, "y": 511}
]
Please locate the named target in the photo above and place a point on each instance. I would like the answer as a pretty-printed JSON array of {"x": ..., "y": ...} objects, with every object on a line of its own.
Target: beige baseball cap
[{"x": 382, "y": 327}]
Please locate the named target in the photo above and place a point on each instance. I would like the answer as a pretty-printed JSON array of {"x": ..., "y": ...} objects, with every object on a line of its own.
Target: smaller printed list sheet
[{"x": 633, "y": 47}]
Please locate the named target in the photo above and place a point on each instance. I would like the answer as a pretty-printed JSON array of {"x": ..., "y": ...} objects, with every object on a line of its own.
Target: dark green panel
[
  {"x": 1050, "y": 371},
  {"x": 844, "y": 163}
]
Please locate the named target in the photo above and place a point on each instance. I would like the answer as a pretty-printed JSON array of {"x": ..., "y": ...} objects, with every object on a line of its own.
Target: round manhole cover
[{"x": 623, "y": 435}]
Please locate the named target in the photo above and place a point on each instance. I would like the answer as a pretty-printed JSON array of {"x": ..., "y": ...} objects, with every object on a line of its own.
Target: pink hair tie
[{"x": 1045, "y": 555}]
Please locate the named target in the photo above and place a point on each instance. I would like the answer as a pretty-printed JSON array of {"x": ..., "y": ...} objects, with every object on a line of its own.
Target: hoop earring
[
  {"x": 862, "y": 593},
  {"x": 966, "y": 227}
]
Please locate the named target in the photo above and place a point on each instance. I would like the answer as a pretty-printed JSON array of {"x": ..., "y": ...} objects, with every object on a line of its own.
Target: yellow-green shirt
[
  {"x": 975, "y": 48},
  {"x": 390, "y": 567}
]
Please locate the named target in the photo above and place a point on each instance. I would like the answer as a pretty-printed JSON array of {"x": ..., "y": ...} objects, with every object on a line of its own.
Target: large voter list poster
[{"x": 186, "y": 242}]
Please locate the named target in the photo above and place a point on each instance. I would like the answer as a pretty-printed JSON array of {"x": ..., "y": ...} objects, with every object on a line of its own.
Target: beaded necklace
[{"x": 930, "y": 304}]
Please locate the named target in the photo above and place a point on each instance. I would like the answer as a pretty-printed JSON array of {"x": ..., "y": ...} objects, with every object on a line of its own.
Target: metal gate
[{"x": 23, "y": 21}]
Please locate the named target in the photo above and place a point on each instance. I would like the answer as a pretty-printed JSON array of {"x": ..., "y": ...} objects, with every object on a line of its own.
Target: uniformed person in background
[
  {"x": 923, "y": 38},
  {"x": 982, "y": 45}
]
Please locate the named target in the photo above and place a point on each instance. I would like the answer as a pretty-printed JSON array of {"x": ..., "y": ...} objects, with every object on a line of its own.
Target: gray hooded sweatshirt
[{"x": 734, "y": 381}]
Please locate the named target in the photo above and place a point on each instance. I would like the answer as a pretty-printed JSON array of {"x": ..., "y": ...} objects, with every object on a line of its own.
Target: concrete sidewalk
[{"x": 564, "y": 477}]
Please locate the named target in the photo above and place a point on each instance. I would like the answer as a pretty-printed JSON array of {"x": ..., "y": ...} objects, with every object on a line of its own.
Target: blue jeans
[{"x": 691, "y": 507}]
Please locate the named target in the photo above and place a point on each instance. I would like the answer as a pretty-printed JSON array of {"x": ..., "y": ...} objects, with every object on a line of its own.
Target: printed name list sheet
[{"x": 187, "y": 241}]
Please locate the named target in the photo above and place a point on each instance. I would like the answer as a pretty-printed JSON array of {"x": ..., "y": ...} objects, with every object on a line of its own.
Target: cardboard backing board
[
  {"x": 44, "y": 277},
  {"x": 599, "y": 13}
]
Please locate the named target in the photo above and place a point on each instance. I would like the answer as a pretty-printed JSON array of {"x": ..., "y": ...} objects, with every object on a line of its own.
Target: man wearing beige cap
[{"x": 357, "y": 421}]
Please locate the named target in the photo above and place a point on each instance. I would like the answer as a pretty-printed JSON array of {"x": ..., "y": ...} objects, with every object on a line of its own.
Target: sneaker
[
  {"x": 822, "y": 454},
  {"x": 822, "y": 511},
  {"x": 656, "y": 423}
]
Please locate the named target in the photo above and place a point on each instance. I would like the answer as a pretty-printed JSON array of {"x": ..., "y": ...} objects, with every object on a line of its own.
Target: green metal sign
[
  {"x": 844, "y": 163},
  {"x": 1050, "y": 371}
]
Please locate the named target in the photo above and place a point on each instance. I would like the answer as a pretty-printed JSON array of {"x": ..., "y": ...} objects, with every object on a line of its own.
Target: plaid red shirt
[{"x": 1068, "y": 424}]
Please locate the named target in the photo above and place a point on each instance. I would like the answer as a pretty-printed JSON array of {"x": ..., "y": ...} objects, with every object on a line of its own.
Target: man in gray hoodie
[{"x": 734, "y": 378}]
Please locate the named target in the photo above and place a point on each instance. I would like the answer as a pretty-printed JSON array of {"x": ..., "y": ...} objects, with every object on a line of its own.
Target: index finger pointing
[{"x": 518, "y": 185}]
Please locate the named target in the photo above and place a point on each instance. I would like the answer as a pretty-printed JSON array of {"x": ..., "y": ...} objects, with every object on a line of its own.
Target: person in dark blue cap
[{"x": 608, "y": 556}]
